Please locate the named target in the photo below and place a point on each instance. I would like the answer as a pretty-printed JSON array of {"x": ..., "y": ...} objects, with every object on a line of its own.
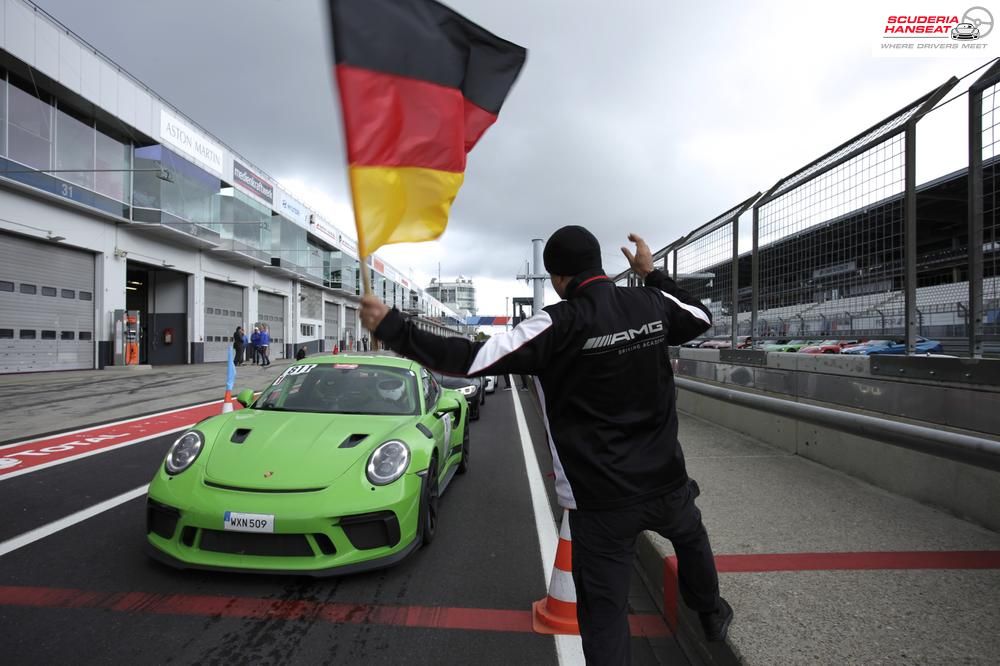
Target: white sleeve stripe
[
  {"x": 696, "y": 311},
  {"x": 504, "y": 344}
]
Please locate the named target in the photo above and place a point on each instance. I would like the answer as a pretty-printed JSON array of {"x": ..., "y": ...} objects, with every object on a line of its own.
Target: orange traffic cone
[{"x": 556, "y": 613}]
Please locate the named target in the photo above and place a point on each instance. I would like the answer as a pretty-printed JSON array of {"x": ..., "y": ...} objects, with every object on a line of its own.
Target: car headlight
[
  {"x": 184, "y": 452},
  {"x": 388, "y": 462},
  {"x": 468, "y": 390}
]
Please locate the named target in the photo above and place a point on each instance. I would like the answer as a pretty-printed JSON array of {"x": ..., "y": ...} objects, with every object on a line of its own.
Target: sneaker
[
  {"x": 507, "y": 389},
  {"x": 524, "y": 388},
  {"x": 716, "y": 623}
]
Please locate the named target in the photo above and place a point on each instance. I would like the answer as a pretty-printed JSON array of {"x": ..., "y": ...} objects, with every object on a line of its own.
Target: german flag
[{"x": 419, "y": 84}]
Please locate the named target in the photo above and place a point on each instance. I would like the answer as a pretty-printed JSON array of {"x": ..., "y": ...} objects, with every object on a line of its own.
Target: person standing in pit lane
[
  {"x": 238, "y": 346},
  {"x": 601, "y": 362},
  {"x": 265, "y": 346},
  {"x": 254, "y": 341}
]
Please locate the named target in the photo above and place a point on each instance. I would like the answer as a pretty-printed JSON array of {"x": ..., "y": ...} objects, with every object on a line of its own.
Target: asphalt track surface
[{"x": 88, "y": 594}]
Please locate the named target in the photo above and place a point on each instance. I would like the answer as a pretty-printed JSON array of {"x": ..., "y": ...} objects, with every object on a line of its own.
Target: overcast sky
[{"x": 638, "y": 115}]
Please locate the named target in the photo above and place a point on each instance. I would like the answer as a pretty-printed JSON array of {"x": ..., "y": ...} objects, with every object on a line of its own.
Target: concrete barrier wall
[{"x": 964, "y": 490}]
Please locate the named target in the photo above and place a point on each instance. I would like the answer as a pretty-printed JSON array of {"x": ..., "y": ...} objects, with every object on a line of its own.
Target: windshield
[
  {"x": 342, "y": 388},
  {"x": 455, "y": 382}
]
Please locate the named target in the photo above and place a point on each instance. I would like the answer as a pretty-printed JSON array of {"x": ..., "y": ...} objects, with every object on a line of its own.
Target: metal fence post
[
  {"x": 735, "y": 307},
  {"x": 910, "y": 238},
  {"x": 755, "y": 277},
  {"x": 975, "y": 312}
]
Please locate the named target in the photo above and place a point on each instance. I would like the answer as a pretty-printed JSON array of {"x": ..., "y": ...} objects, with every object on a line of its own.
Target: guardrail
[{"x": 953, "y": 446}]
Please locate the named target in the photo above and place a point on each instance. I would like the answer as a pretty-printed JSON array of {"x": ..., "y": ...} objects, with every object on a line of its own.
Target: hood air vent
[
  {"x": 352, "y": 441},
  {"x": 240, "y": 435}
]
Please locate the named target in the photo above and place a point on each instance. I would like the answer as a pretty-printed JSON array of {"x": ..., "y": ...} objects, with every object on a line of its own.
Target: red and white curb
[{"x": 40, "y": 453}]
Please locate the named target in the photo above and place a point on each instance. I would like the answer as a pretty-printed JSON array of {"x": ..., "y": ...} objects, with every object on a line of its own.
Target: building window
[
  {"x": 29, "y": 126},
  {"x": 6, "y": 286},
  {"x": 28, "y": 289},
  {"x": 75, "y": 147},
  {"x": 3, "y": 113},
  {"x": 6, "y": 334},
  {"x": 68, "y": 293},
  {"x": 86, "y": 296},
  {"x": 85, "y": 335},
  {"x": 113, "y": 155},
  {"x": 48, "y": 335},
  {"x": 28, "y": 334},
  {"x": 308, "y": 330},
  {"x": 48, "y": 291},
  {"x": 67, "y": 335}
]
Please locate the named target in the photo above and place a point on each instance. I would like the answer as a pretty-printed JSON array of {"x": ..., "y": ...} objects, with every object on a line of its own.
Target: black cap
[{"x": 571, "y": 250}]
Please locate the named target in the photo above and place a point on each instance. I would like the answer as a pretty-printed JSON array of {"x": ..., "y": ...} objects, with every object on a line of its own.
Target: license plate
[{"x": 247, "y": 522}]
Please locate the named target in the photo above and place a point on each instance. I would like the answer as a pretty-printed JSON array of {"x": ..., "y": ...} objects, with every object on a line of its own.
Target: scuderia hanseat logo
[{"x": 947, "y": 30}]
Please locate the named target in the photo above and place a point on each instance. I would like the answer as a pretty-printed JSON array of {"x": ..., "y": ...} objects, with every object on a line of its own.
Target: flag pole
[{"x": 366, "y": 276}]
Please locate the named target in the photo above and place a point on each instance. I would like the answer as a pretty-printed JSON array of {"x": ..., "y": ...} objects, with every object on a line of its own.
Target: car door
[{"x": 440, "y": 427}]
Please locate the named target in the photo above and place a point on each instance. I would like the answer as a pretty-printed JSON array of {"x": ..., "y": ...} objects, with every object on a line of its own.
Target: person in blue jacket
[
  {"x": 254, "y": 342},
  {"x": 265, "y": 343}
]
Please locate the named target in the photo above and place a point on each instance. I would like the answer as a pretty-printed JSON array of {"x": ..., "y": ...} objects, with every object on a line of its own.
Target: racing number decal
[{"x": 294, "y": 370}]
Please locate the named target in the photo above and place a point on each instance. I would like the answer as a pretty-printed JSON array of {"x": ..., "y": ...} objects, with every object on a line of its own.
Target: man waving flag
[{"x": 419, "y": 84}]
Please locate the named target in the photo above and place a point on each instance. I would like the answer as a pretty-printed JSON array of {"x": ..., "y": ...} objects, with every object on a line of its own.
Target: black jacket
[{"x": 604, "y": 381}]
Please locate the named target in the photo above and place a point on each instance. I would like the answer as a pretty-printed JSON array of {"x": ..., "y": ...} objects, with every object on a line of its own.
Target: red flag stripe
[{"x": 394, "y": 121}]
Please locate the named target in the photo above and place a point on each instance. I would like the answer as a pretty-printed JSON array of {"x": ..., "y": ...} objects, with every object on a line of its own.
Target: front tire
[{"x": 429, "y": 505}]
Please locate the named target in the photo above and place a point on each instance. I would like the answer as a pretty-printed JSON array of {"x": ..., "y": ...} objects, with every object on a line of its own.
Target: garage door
[
  {"x": 271, "y": 312},
  {"x": 46, "y": 306},
  {"x": 350, "y": 325},
  {"x": 331, "y": 322},
  {"x": 223, "y": 313}
]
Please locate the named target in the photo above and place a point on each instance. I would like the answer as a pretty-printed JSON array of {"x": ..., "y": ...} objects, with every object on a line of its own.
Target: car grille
[
  {"x": 220, "y": 486},
  {"x": 247, "y": 543}
]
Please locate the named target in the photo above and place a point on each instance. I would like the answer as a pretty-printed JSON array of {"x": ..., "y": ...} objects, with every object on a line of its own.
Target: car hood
[{"x": 292, "y": 451}]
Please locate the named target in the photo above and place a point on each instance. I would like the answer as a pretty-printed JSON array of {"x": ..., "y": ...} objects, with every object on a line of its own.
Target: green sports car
[{"x": 335, "y": 468}]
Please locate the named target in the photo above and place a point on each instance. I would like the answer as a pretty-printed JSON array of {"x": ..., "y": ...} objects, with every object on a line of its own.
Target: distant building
[{"x": 458, "y": 295}]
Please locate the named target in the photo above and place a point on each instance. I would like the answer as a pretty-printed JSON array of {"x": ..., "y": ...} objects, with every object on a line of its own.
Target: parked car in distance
[
  {"x": 726, "y": 342},
  {"x": 491, "y": 384},
  {"x": 470, "y": 387},
  {"x": 717, "y": 342},
  {"x": 894, "y": 346},
  {"x": 697, "y": 342},
  {"x": 829, "y": 346},
  {"x": 788, "y": 345}
]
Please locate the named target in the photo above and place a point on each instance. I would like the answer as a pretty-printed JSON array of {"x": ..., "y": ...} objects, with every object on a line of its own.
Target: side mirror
[
  {"x": 245, "y": 397},
  {"x": 447, "y": 405}
]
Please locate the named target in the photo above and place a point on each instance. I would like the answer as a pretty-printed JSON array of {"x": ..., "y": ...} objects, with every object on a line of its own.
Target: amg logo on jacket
[{"x": 627, "y": 335}]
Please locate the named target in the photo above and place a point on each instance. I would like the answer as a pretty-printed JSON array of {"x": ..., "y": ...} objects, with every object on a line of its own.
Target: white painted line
[
  {"x": 58, "y": 525},
  {"x": 109, "y": 424},
  {"x": 569, "y": 649},
  {"x": 29, "y": 470}
]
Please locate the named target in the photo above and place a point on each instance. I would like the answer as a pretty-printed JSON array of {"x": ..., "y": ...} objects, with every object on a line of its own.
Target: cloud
[{"x": 643, "y": 116}]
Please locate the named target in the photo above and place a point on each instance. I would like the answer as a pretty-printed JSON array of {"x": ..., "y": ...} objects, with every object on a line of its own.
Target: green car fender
[{"x": 420, "y": 456}]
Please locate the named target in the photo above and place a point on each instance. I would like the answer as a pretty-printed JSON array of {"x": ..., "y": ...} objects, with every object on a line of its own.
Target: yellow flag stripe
[{"x": 401, "y": 204}]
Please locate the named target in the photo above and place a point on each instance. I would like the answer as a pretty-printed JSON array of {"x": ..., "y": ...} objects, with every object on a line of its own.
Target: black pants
[
  {"x": 603, "y": 554},
  {"x": 524, "y": 381}
]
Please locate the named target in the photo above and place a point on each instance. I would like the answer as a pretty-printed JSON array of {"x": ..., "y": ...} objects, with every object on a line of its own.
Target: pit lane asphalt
[{"x": 485, "y": 556}]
